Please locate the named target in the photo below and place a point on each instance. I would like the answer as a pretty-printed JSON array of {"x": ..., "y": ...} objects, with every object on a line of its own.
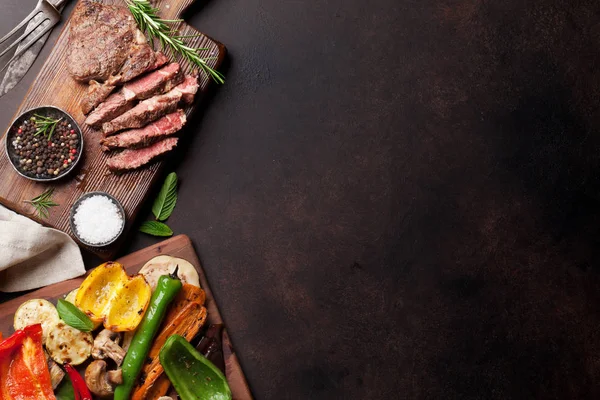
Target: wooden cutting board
[
  {"x": 54, "y": 86},
  {"x": 179, "y": 246}
]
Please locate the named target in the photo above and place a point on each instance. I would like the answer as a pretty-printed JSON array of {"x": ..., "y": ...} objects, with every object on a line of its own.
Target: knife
[{"x": 17, "y": 69}]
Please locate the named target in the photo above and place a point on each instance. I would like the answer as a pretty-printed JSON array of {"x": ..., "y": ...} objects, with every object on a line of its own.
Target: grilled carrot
[{"x": 185, "y": 317}]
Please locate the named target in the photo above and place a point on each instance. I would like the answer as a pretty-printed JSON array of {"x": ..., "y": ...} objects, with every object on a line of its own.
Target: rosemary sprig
[
  {"x": 148, "y": 20},
  {"x": 42, "y": 203},
  {"x": 45, "y": 126}
]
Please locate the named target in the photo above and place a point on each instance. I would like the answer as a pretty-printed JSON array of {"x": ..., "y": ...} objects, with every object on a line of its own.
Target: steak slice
[
  {"x": 134, "y": 138},
  {"x": 188, "y": 88},
  {"x": 139, "y": 62},
  {"x": 157, "y": 82},
  {"x": 142, "y": 88},
  {"x": 153, "y": 108},
  {"x": 134, "y": 158},
  {"x": 104, "y": 41},
  {"x": 145, "y": 112},
  {"x": 97, "y": 92}
]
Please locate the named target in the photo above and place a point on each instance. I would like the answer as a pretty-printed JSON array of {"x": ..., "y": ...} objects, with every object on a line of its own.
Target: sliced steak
[
  {"x": 188, "y": 88},
  {"x": 139, "y": 62},
  {"x": 144, "y": 113},
  {"x": 135, "y": 138},
  {"x": 134, "y": 158},
  {"x": 157, "y": 82},
  {"x": 141, "y": 88},
  {"x": 98, "y": 92},
  {"x": 153, "y": 108},
  {"x": 104, "y": 41}
]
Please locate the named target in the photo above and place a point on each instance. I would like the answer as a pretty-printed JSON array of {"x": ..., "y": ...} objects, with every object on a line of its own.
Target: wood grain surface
[
  {"x": 179, "y": 246},
  {"x": 54, "y": 86}
]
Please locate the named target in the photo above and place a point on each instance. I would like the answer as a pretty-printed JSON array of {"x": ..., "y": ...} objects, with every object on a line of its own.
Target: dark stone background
[{"x": 398, "y": 199}]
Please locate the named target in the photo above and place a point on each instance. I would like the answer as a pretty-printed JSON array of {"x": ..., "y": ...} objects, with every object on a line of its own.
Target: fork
[{"x": 46, "y": 15}]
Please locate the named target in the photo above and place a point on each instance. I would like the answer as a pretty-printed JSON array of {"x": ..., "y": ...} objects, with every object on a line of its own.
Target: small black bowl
[
  {"x": 78, "y": 202},
  {"x": 11, "y": 134}
]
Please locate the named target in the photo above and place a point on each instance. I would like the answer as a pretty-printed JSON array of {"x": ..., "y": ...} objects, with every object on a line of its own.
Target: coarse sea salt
[{"x": 98, "y": 220}]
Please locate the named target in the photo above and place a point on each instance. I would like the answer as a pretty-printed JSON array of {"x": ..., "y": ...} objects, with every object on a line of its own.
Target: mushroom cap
[
  {"x": 100, "y": 381},
  {"x": 107, "y": 344}
]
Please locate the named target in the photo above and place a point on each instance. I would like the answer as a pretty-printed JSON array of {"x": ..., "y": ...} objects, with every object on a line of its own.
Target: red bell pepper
[{"x": 24, "y": 372}]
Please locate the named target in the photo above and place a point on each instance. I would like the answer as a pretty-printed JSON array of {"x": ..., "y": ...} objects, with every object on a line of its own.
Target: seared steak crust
[
  {"x": 96, "y": 93},
  {"x": 103, "y": 39}
]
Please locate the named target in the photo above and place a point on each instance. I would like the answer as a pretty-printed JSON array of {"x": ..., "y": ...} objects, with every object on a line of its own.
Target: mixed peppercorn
[{"x": 48, "y": 154}]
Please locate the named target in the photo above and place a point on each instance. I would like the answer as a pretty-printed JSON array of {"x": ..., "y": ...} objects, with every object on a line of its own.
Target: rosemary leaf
[
  {"x": 149, "y": 22},
  {"x": 43, "y": 203}
]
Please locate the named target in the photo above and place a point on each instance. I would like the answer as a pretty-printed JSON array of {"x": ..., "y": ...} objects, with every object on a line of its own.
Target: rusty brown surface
[{"x": 399, "y": 200}]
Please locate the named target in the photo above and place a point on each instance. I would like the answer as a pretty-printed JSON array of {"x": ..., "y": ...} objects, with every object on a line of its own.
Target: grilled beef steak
[
  {"x": 131, "y": 159},
  {"x": 144, "y": 113},
  {"x": 188, "y": 89},
  {"x": 134, "y": 138},
  {"x": 142, "y": 88},
  {"x": 157, "y": 82},
  {"x": 95, "y": 94},
  {"x": 153, "y": 108},
  {"x": 105, "y": 41}
]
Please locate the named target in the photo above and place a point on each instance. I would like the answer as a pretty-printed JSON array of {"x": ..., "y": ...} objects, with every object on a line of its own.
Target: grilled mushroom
[
  {"x": 106, "y": 344},
  {"x": 56, "y": 372},
  {"x": 100, "y": 381}
]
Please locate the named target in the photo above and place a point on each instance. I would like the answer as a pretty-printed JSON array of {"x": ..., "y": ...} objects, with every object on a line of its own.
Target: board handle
[{"x": 173, "y": 9}]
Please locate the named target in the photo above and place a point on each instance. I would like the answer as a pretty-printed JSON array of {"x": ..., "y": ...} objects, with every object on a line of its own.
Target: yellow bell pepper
[{"x": 110, "y": 296}]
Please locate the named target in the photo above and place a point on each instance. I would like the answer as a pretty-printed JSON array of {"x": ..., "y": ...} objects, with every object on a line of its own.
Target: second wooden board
[
  {"x": 54, "y": 86},
  {"x": 179, "y": 246}
]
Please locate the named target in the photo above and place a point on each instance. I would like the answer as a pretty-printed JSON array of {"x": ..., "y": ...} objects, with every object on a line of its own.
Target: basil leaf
[
  {"x": 73, "y": 316},
  {"x": 65, "y": 391},
  {"x": 156, "y": 229},
  {"x": 167, "y": 198}
]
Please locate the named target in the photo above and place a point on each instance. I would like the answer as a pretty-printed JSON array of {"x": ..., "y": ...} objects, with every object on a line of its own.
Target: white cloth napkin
[{"x": 32, "y": 256}]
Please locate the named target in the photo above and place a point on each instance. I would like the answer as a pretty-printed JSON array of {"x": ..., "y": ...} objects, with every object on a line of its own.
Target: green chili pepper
[
  {"x": 193, "y": 375},
  {"x": 167, "y": 288}
]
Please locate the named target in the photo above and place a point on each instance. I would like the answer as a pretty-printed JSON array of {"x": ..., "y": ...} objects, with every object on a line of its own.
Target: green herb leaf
[
  {"x": 65, "y": 391},
  {"x": 73, "y": 316},
  {"x": 167, "y": 198},
  {"x": 42, "y": 203},
  {"x": 45, "y": 126},
  {"x": 148, "y": 21},
  {"x": 155, "y": 228}
]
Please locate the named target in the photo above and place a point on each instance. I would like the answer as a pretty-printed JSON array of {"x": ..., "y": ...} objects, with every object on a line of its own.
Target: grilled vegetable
[
  {"x": 192, "y": 375},
  {"x": 79, "y": 387},
  {"x": 69, "y": 345},
  {"x": 36, "y": 311},
  {"x": 185, "y": 317},
  {"x": 110, "y": 296},
  {"x": 56, "y": 372},
  {"x": 100, "y": 381},
  {"x": 24, "y": 373},
  {"x": 106, "y": 344},
  {"x": 164, "y": 265},
  {"x": 166, "y": 290}
]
